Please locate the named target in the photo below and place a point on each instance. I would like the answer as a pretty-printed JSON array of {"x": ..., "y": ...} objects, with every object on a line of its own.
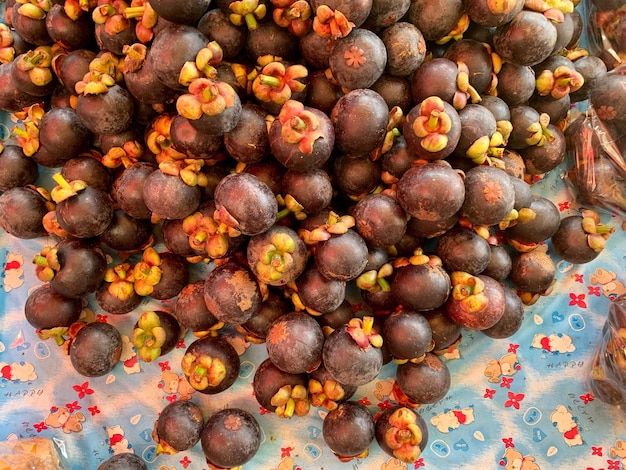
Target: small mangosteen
[
  {"x": 401, "y": 433},
  {"x": 211, "y": 364},
  {"x": 348, "y": 430},
  {"x": 51, "y": 313},
  {"x": 178, "y": 427},
  {"x": 326, "y": 392},
  {"x": 489, "y": 195},
  {"x": 281, "y": 392},
  {"x": 407, "y": 335},
  {"x": 424, "y": 382},
  {"x": 96, "y": 349},
  {"x": 462, "y": 249},
  {"x": 511, "y": 320},
  {"x": 22, "y": 210},
  {"x": 477, "y": 302},
  {"x": 422, "y": 286},
  {"x": 581, "y": 238},
  {"x": 155, "y": 333},
  {"x": 125, "y": 461}
]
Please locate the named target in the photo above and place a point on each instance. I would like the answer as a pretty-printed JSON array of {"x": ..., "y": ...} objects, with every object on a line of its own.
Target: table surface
[{"x": 521, "y": 402}]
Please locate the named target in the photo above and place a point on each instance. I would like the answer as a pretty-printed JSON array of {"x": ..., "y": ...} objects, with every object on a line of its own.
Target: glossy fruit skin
[
  {"x": 489, "y": 195},
  {"x": 86, "y": 214},
  {"x": 179, "y": 425},
  {"x": 232, "y": 293},
  {"x": 484, "y": 317},
  {"x": 424, "y": 382},
  {"x": 230, "y": 438},
  {"x": 542, "y": 227},
  {"x": 380, "y": 220},
  {"x": 174, "y": 276},
  {"x": 111, "y": 304},
  {"x": 124, "y": 461},
  {"x": 45, "y": 308},
  {"x": 82, "y": 268},
  {"x": 358, "y": 60},
  {"x": 347, "y": 362},
  {"x": 349, "y": 429},
  {"x": 570, "y": 241},
  {"x": 129, "y": 189},
  {"x": 268, "y": 379},
  {"x": 512, "y": 318},
  {"x": 342, "y": 257},
  {"x": 96, "y": 349},
  {"x": 21, "y": 212},
  {"x": 407, "y": 334},
  {"x": 16, "y": 169},
  {"x": 168, "y": 197},
  {"x": 421, "y": 287},
  {"x": 294, "y": 342},
  {"x": 319, "y": 293},
  {"x": 533, "y": 271},
  {"x": 190, "y": 309},
  {"x": 462, "y": 249},
  {"x": 108, "y": 113}
]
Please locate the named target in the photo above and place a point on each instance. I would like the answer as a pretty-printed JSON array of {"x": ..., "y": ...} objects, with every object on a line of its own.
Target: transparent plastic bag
[
  {"x": 31, "y": 453},
  {"x": 606, "y": 30},
  {"x": 607, "y": 374},
  {"x": 597, "y": 168}
]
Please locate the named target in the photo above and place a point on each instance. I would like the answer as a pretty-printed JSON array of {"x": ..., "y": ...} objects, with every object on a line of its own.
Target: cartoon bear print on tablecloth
[
  {"x": 560, "y": 343},
  {"x": 172, "y": 383},
  {"x": 452, "y": 419},
  {"x": 619, "y": 451},
  {"x": 128, "y": 358},
  {"x": 508, "y": 365},
  {"x": 563, "y": 420},
  {"x": 18, "y": 371},
  {"x": 61, "y": 417},
  {"x": 513, "y": 459},
  {"x": 12, "y": 273},
  {"x": 611, "y": 286},
  {"x": 117, "y": 442}
]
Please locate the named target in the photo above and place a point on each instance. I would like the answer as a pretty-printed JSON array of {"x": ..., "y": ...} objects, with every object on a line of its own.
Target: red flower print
[
  {"x": 586, "y": 398},
  {"x": 578, "y": 278},
  {"x": 593, "y": 290},
  {"x": 613, "y": 464},
  {"x": 365, "y": 401},
  {"x": 101, "y": 318},
  {"x": 508, "y": 442},
  {"x": 357, "y": 307},
  {"x": 40, "y": 426},
  {"x": 384, "y": 405},
  {"x": 285, "y": 452},
  {"x": 506, "y": 382},
  {"x": 93, "y": 410},
  {"x": 263, "y": 411},
  {"x": 185, "y": 462},
  {"x": 71, "y": 407},
  {"x": 489, "y": 393},
  {"x": 596, "y": 451},
  {"x": 171, "y": 398},
  {"x": 513, "y": 347},
  {"x": 578, "y": 300},
  {"x": 83, "y": 389},
  {"x": 181, "y": 344},
  {"x": 164, "y": 366},
  {"x": 419, "y": 463},
  {"x": 514, "y": 399},
  {"x": 563, "y": 206}
]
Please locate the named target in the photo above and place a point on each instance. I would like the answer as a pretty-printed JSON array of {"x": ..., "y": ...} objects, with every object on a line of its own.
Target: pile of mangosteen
[{"x": 265, "y": 164}]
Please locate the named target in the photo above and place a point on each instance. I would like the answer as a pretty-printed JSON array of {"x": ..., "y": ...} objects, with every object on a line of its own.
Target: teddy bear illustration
[
  {"x": 129, "y": 356},
  {"x": 18, "y": 371},
  {"x": 508, "y": 365},
  {"x": 555, "y": 342},
  {"x": 118, "y": 443},
  {"x": 513, "y": 459},
  {"x": 452, "y": 419},
  {"x": 564, "y": 422},
  {"x": 393, "y": 464},
  {"x": 287, "y": 464},
  {"x": 13, "y": 274},
  {"x": 172, "y": 383},
  {"x": 60, "y": 417},
  {"x": 611, "y": 287},
  {"x": 619, "y": 451},
  {"x": 389, "y": 389}
]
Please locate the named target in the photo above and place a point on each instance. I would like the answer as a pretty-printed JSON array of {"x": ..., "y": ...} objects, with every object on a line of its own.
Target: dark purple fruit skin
[
  {"x": 527, "y": 39},
  {"x": 62, "y": 132},
  {"x": 190, "y": 309},
  {"x": 82, "y": 268},
  {"x": 96, "y": 349},
  {"x": 322, "y": 375},
  {"x": 383, "y": 425},
  {"x": 462, "y": 249},
  {"x": 188, "y": 140},
  {"x": 268, "y": 379},
  {"x": 380, "y": 220},
  {"x": 168, "y": 197},
  {"x": 294, "y": 342},
  {"x": 342, "y": 257},
  {"x": 109, "y": 113},
  {"x": 424, "y": 382},
  {"x": 489, "y": 195},
  {"x": 499, "y": 265},
  {"x": 319, "y": 293},
  {"x": 407, "y": 334},
  {"x": 533, "y": 271},
  {"x": 125, "y": 461},
  {"x": 421, "y": 287},
  {"x": 248, "y": 142},
  {"x": 113, "y": 305},
  {"x": 230, "y": 438},
  {"x": 511, "y": 320},
  {"x": 45, "y": 309},
  {"x": 129, "y": 189},
  {"x": 12, "y": 99},
  {"x": 21, "y": 212},
  {"x": 86, "y": 214},
  {"x": 174, "y": 276},
  {"x": 435, "y": 19},
  {"x": 570, "y": 241},
  {"x": 363, "y": 76},
  {"x": 89, "y": 170},
  {"x": 179, "y": 425},
  {"x": 349, "y": 429},
  {"x": 248, "y": 200},
  {"x": 444, "y": 331},
  {"x": 347, "y": 362},
  {"x": 414, "y": 142},
  {"x": 480, "y": 13},
  {"x": 232, "y": 293},
  {"x": 125, "y": 233},
  {"x": 217, "y": 347},
  {"x": 542, "y": 227},
  {"x": 312, "y": 189},
  {"x": 16, "y": 169},
  {"x": 406, "y": 48}
]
